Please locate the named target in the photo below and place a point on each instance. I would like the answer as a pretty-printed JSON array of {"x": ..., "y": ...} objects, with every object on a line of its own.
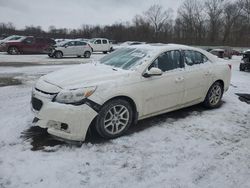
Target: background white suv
[
  {"x": 100, "y": 45},
  {"x": 71, "y": 48}
]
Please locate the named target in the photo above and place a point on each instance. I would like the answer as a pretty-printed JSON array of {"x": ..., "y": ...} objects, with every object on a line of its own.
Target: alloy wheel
[{"x": 116, "y": 119}]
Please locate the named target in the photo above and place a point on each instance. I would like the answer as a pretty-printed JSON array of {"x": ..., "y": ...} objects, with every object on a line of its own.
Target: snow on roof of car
[
  {"x": 158, "y": 48},
  {"x": 218, "y": 50}
]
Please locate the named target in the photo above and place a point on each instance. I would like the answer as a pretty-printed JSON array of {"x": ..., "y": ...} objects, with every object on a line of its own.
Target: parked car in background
[
  {"x": 245, "y": 62},
  {"x": 61, "y": 40},
  {"x": 236, "y": 52},
  {"x": 29, "y": 45},
  {"x": 222, "y": 53},
  {"x": 127, "y": 85},
  {"x": 128, "y": 43},
  {"x": 71, "y": 48},
  {"x": 100, "y": 45},
  {"x": 10, "y": 38}
]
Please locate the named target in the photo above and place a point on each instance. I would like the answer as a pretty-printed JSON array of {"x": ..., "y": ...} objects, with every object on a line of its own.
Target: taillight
[{"x": 230, "y": 66}]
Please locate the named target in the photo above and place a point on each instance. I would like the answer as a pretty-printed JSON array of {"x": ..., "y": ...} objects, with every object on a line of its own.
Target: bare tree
[
  {"x": 191, "y": 19},
  {"x": 232, "y": 11},
  {"x": 157, "y": 17},
  {"x": 214, "y": 10}
]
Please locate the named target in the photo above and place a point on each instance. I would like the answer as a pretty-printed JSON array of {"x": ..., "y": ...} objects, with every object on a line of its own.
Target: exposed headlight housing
[{"x": 74, "y": 96}]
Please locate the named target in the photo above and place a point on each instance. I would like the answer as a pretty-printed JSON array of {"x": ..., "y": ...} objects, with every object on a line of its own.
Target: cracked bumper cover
[{"x": 52, "y": 115}]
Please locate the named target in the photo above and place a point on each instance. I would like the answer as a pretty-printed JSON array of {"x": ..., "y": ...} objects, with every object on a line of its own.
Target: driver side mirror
[
  {"x": 66, "y": 46},
  {"x": 153, "y": 72}
]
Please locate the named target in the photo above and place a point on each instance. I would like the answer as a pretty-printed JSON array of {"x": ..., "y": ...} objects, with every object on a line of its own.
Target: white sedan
[{"x": 125, "y": 86}]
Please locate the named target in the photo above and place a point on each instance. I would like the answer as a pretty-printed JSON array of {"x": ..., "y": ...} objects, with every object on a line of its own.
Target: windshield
[
  {"x": 61, "y": 44},
  {"x": 91, "y": 40},
  {"x": 126, "y": 58}
]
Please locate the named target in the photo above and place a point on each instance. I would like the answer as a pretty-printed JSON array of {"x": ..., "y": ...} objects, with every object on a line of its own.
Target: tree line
[{"x": 196, "y": 22}]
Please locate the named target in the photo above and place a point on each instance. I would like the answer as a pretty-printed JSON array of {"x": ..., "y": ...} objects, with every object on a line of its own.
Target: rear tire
[
  {"x": 13, "y": 50},
  {"x": 87, "y": 54},
  {"x": 214, "y": 95},
  {"x": 58, "y": 55},
  {"x": 241, "y": 68},
  {"x": 114, "y": 118}
]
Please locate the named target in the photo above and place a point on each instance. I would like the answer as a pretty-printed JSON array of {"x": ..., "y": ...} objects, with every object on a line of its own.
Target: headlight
[{"x": 74, "y": 95}]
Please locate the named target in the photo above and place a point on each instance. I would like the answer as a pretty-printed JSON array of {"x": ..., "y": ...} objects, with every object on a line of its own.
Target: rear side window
[
  {"x": 104, "y": 41},
  {"x": 80, "y": 43},
  {"x": 192, "y": 57},
  {"x": 168, "y": 61}
]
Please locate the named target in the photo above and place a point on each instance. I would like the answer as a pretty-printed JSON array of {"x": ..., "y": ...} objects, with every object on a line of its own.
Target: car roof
[
  {"x": 218, "y": 50},
  {"x": 99, "y": 38},
  {"x": 158, "y": 48},
  {"x": 163, "y": 47}
]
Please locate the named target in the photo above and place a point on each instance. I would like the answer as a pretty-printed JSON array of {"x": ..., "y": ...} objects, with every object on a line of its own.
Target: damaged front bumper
[{"x": 62, "y": 120}]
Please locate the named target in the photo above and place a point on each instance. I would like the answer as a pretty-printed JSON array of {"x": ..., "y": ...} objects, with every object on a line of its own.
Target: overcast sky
[{"x": 75, "y": 13}]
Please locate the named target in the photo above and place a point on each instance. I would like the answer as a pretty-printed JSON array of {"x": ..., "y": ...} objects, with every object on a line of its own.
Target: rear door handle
[{"x": 179, "y": 79}]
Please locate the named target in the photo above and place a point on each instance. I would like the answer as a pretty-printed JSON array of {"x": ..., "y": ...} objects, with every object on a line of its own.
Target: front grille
[{"x": 36, "y": 103}]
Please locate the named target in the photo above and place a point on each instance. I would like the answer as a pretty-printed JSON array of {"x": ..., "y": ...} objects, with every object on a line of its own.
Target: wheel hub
[{"x": 116, "y": 119}]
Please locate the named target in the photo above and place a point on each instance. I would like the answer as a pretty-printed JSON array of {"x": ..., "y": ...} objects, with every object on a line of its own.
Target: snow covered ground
[
  {"x": 193, "y": 147},
  {"x": 20, "y": 60}
]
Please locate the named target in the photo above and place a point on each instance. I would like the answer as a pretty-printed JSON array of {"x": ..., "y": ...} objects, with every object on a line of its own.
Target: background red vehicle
[{"x": 28, "y": 45}]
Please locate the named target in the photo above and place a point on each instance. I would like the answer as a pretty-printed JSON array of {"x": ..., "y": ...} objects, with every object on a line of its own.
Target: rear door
[
  {"x": 80, "y": 47},
  {"x": 105, "y": 45},
  {"x": 198, "y": 76}
]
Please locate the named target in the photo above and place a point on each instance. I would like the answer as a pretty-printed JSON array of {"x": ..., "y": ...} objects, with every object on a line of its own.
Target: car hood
[{"x": 84, "y": 75}]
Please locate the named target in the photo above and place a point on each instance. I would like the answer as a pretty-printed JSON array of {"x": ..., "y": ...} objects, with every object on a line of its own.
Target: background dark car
[
  {"x": 29, "y": 45},
  {"x": 222, "y": 53},
  {"x": 245, "y": 64}
]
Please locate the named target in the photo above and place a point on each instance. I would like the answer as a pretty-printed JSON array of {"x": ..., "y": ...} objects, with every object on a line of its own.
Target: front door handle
[{"x": 207, "y": 73}]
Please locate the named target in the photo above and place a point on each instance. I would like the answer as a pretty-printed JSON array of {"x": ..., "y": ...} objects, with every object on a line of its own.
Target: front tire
[
  {"x": 58, "y": 55},
  {"x": 114, "y": 118},
  {"x": 214, "y": 95}
]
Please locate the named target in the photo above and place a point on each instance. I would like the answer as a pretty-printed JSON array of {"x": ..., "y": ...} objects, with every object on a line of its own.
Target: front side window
[
  {"x": 72, "y": 43},
  {"x": 193, "y": 58},
  {"x": 80, "y": 43},
  {"x": 98, "y": 42},
  {"x": 168, "y": 61}
]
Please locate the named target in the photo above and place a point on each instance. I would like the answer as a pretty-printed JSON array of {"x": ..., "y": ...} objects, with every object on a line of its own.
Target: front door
[{"x": 166, "y": 91}]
